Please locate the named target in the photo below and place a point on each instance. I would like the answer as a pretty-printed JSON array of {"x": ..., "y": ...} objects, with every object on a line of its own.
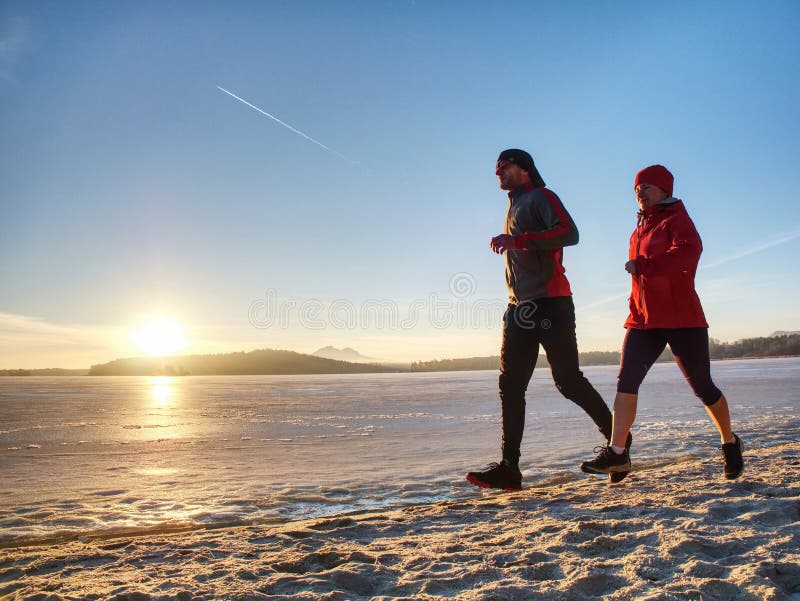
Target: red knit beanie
[{"x": 655, "y": 175}]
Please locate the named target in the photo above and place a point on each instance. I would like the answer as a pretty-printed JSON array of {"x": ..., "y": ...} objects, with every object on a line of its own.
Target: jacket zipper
[
  {"x": 510, "y": 263},
  {"x": 639, "y": 228}
]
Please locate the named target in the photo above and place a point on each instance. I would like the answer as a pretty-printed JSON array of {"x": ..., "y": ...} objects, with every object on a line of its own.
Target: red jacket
[{"x": 666, "y": 247}]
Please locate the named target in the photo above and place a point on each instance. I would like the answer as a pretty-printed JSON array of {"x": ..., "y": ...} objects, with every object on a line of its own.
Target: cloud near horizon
[{"x": 26, "y": 342}]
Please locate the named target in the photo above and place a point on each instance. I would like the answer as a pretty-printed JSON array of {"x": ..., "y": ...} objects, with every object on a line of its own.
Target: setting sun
[{"x": 159, "y": 336}]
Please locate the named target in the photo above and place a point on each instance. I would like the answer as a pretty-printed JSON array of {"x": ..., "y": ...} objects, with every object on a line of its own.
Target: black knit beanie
[{"x": 525, "y": 162}]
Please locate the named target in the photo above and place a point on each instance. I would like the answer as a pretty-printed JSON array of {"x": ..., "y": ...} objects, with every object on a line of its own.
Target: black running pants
[
  {"x": 641, "y": 348},
  {"x": 551, "y": 323}
]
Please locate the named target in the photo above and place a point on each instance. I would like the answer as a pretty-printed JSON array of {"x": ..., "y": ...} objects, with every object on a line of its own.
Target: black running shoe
[
  {"x": 497, "y": 475},
  {"x": 615, "y": 477},
  {"x": 732, "y": 453},
  {"x": 607, "y": 461}
]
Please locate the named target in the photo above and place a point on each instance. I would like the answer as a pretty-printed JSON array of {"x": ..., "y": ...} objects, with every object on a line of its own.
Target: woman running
[{"x": 664, "y": 309}]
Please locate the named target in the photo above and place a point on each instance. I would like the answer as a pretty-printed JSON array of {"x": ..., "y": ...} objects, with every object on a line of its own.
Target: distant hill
[
  {"x": 264, "y": 361},
  {"x": 345, "y": 354}
]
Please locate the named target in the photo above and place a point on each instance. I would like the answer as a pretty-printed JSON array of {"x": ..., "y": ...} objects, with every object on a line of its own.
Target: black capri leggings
[{"x": 641, "y": 348}]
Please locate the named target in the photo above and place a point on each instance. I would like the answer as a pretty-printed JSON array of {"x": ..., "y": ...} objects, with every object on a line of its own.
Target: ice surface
[{"x": 87, "y": 456}]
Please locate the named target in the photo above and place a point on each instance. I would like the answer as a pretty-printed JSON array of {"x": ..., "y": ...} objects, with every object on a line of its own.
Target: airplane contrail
[
  {"x": 287, "y": 126},
  {"x": 744, "y": 253},
  {"x": 604, "y": 301},
  {"x": 753, "y": 250}
]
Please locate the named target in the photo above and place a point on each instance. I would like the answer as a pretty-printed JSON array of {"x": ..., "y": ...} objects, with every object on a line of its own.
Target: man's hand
[
  {"x": 502, "y": 243},
  {"x": 630, "y": 267}
]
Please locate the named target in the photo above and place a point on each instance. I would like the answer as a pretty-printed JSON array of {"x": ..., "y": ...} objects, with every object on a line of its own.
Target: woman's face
[{"x": 648, "y": 195}]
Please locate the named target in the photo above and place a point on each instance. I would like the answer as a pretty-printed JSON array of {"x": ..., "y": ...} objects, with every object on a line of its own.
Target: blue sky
[{"x": 132, "y": 186}]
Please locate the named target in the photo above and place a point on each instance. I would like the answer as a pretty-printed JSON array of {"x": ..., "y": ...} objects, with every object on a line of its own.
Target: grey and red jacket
[
  {"x": 541, "y": 228},
  {"x": 666, "y": 248}
]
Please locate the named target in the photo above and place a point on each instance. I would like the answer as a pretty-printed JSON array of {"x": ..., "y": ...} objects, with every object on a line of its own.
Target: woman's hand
[{"x": 630, "y": 267}]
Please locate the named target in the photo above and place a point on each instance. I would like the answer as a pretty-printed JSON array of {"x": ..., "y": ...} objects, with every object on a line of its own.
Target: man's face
[
  {"x": 648, "y": 195},
  {"x": 511, "y": 176}
]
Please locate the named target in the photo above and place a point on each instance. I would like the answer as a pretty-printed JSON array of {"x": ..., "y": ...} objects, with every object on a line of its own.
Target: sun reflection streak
[{"x": 162, "y": 390}]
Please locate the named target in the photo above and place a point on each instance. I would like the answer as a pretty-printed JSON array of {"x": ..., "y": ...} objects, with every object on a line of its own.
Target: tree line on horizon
[
  {"x": 279, "y": 362},
  {"x": 784, "y": 345}
]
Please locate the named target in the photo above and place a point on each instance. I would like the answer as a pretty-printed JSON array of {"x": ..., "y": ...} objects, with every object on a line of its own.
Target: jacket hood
[{"x": 668, "y": 205}]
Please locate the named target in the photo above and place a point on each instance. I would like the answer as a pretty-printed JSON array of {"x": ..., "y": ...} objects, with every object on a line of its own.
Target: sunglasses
[{"x": 502, "y": 165}]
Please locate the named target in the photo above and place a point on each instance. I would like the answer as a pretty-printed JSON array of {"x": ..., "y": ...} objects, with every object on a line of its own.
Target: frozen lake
[{"x": 83, "y": 456}]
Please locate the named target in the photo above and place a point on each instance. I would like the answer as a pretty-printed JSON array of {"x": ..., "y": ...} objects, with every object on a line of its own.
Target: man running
[{"x": 540, "y": 311}]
